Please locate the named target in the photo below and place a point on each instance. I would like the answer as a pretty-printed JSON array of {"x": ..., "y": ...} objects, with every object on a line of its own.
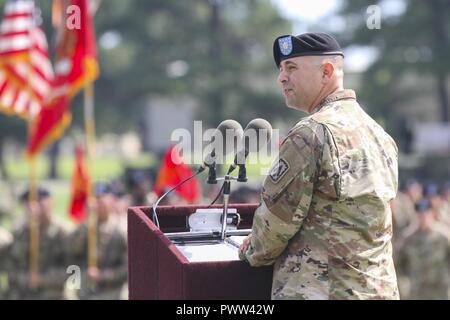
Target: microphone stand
[
  {"x": 242, "y": 177},
  {"x": 226, "y": 199}
]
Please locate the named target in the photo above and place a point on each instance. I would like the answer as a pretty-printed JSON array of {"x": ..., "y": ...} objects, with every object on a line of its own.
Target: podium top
[{"x": 174, "y": 218}]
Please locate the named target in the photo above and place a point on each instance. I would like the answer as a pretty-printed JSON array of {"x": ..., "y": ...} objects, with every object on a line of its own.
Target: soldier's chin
[{"x": 292, "y": 105}]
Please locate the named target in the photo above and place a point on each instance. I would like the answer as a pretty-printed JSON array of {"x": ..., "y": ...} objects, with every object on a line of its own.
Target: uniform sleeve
[
  {"x": 286, "y": 195},
  {"x": 119, "y": 273},
  {"x": 5, "y": 243},
  {"x": 15, "y": 264},
  {"x": 76, "y": 246},
  {"x": 55, "y": 276}
]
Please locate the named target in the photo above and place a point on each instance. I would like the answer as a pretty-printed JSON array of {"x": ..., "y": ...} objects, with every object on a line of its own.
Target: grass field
[{"x": 104, "y": 168}]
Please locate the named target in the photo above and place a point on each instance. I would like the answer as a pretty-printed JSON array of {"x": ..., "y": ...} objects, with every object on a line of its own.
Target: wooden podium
[{"x": 157, "y": 269}]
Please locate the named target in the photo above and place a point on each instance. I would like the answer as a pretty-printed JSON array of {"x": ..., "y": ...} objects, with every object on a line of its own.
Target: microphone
[
  {"x": 255, "y": 131},
  {"x": 224, "y": 140}
]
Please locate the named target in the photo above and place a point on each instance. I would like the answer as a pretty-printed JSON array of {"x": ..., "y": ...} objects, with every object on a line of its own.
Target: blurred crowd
[
  {"x": 421, "y": 242},
  {"x": 64, "y": 271}
]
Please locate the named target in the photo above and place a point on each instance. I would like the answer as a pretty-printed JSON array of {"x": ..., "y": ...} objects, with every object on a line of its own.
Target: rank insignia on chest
[{"x": 279, "y": 170}]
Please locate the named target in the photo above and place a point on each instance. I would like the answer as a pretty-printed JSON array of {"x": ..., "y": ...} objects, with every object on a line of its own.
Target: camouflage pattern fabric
[
  {"x": 325, "y": 221},
  {"x": 424, "y": 259},
  {"x": 52, "y": 262},
  {"x": 112, "y": 260},
  {"x": 5, "y": 242}
]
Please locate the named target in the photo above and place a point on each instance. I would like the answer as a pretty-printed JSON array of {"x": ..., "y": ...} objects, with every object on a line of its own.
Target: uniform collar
[{"x": 340, "y": 95}]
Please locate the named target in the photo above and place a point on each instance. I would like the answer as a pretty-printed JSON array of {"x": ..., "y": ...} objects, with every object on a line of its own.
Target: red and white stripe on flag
[{"x": 26, "y": 72}]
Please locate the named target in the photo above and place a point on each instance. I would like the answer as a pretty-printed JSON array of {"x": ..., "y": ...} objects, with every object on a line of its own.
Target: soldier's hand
[
  {"x": 94, "y": 274},
  {"x": 246, "y": 244},
  {"x": 34, "y": 280}
]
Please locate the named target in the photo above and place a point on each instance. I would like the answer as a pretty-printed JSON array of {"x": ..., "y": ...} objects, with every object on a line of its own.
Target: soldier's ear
[{"x": 327, "y": 70}]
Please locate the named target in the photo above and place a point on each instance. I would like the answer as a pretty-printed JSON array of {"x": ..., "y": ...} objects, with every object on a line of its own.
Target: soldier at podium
[{"x": 325, "y": 221}]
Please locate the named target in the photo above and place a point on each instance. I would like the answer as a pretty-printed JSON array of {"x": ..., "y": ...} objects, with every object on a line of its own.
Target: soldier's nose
[{"x": 282, "y": 78}]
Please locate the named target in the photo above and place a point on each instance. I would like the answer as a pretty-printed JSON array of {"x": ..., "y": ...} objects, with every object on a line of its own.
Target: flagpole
[
  {"x": 89, "y": 122},
  {"x": 32, "y": 195},
  {"x": 33, "y": 220}
]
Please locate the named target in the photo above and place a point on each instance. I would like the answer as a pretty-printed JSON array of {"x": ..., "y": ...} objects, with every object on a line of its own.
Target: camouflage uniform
[
  {"x": 443, "y": 217},
  {"x": 52, "y": 262},
  {"x": 325, "y": 219},
  {"x": 5, "y": 242},
  {"x": 404, "y": 213},
  {"x": 112, "y": 259},
  {"x": 424, "y": 258}
]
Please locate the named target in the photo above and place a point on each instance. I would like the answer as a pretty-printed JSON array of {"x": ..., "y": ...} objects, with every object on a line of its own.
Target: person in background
[
  {"x": 403, "y": 207},
  {"x": 106, "y": 281},
  {"x": 5, "y": 241},
  {"x": 424, "y": 257},
  {"x": 431, "y": 193},
  {"x": 48, "y": 282}
]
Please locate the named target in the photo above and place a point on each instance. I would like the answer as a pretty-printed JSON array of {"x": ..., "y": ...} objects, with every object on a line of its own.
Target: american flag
[{"x": 26, "y": 72}]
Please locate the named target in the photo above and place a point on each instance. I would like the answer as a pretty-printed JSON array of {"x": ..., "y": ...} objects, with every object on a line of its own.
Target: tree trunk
[
  {"x": 439, "y": 10},
  {"x": 443, "y": 97}
]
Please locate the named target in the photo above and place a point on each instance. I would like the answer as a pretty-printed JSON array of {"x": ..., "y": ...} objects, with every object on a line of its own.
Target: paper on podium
[
  {"x": 204, "y": 252},
  {"x": 209, "y": 252}
]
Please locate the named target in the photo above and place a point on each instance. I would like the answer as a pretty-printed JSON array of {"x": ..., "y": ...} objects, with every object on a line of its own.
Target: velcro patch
[{"x": 279, "y": 170}]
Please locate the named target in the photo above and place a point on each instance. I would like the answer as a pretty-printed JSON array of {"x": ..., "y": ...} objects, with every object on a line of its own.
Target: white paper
[{"x": 209, "y": 252}]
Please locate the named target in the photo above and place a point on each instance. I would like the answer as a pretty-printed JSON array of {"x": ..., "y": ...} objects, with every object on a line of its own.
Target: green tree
[
  {"x": 413, "y": 43},
  {"x": 226, "y": 46}
]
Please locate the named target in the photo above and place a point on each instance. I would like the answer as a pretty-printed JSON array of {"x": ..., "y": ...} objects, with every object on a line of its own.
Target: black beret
[
  {"x": 102, "y": 188},
  {"x": 422, "y": 206},
  {"x": 431, "y": 190},
  {"x": 306, "y": 44},
  {"x": 41, "y": 193}
]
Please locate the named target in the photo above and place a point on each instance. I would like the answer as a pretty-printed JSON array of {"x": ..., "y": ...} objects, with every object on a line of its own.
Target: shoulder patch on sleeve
[{"x": 279, "y": 170}]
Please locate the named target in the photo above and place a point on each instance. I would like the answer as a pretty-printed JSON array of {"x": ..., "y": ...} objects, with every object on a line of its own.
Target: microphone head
[
  {"x": 225, "y": 140},
  {"x": 257, "y": 134}
]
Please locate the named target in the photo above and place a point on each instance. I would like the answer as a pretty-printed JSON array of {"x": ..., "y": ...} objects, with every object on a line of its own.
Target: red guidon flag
[
  {"x": 25, "y": 69},
  {"x": 76, "y": 66},
  {"x": 80, "y": 186},
  {"x": 172, "y": 172}
]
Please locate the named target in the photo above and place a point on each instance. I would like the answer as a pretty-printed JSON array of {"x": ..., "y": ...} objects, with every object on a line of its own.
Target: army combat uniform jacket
[
  {"x": 424, "y": 257},
  {"x": 112, "y": 259},
  {"x": 5, "y": 242},
  {"x": 325, "y": 219},
  {"x": 52, "y": 262}
]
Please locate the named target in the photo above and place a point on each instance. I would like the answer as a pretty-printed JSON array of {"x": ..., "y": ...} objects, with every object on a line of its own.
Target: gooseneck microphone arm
[{"x": 155, "y": 205}]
